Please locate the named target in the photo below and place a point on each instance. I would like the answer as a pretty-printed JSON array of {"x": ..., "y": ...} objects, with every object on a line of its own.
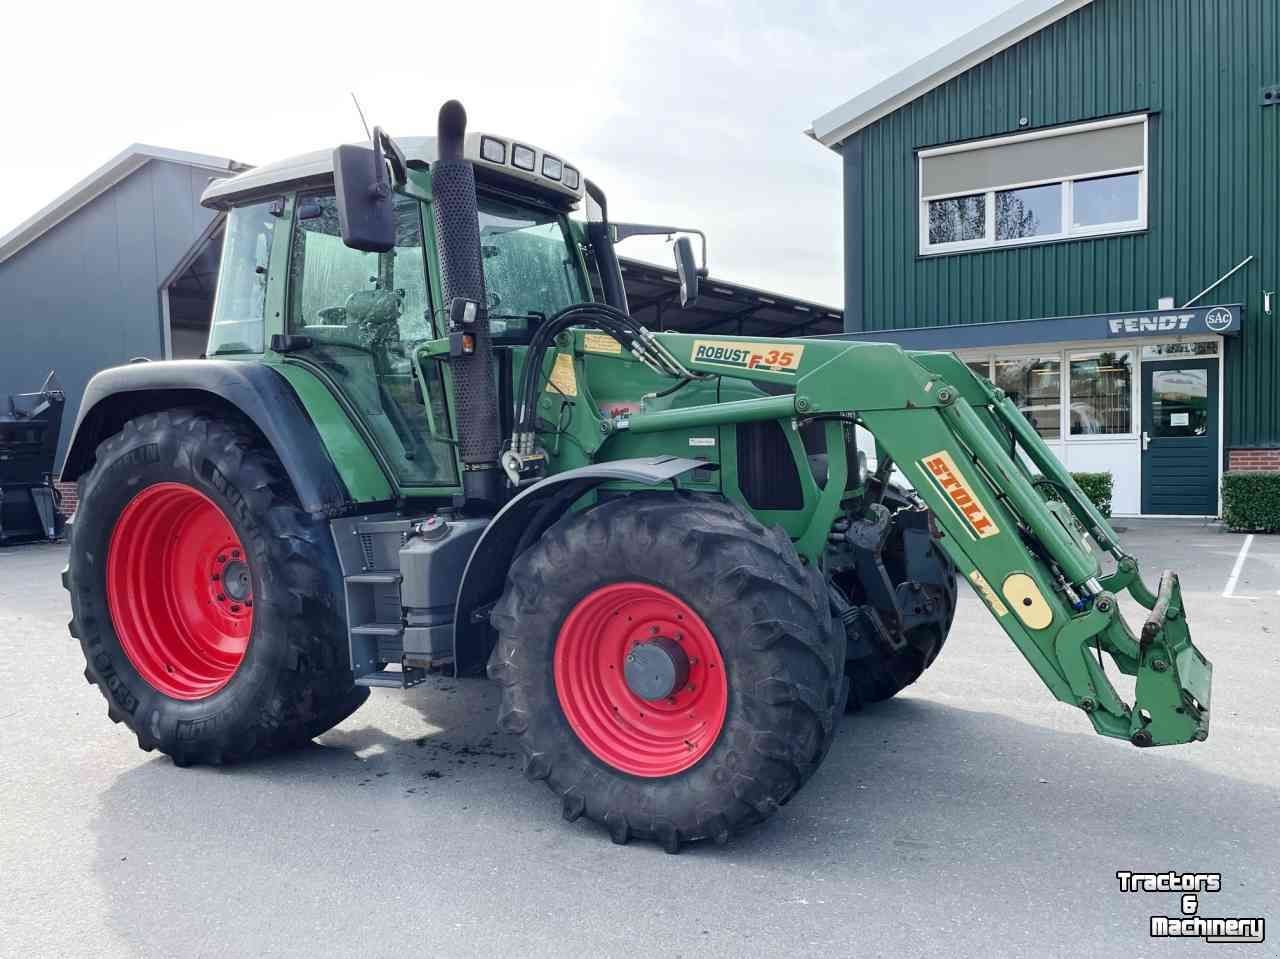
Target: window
[
  {"x": 958, "y": 219},
  {"x": 1102, "y": 393},
  {"x": 336, "y": 291},
  {"x": 1084, "y": 180},
  {"x": 241, "y": 300},
  {"x": 529, "y": 263},
  {"x": 363, "y": 315},
  {"x": 1034, "y": 384},
  {"x": 1105, "y": 199},
  {"x": 1180, "y": 403},
  {"x": 1157, "y": 351},
  {"x": 1030, "y": 211}
]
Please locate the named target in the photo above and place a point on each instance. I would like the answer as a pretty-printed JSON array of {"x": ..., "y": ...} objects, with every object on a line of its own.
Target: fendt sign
[{"x": 1210, "y": 319}]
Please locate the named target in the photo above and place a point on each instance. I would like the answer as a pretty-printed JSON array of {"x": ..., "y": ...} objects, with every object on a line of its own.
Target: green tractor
[{"x": 420, "y": 442}]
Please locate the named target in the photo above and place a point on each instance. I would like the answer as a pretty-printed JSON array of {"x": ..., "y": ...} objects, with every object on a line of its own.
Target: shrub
[
  {"x": 1251, "y": 501},
  {"x": 1096, "y": 486}
]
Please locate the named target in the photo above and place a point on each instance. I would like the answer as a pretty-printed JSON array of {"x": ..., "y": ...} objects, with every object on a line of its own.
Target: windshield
[{"x": 529, "y": 265}]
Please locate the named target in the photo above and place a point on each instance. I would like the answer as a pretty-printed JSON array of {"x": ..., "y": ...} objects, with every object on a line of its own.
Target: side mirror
[
  {"x": 687, "y": 268},
  {"x": 366, "y": 205}
]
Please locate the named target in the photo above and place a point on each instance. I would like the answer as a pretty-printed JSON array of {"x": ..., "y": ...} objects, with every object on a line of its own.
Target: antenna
[{"x": 360, "y": 110}]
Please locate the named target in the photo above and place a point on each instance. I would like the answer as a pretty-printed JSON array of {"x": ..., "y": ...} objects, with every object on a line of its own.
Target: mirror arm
[
  {"x": 600, "y": 239},
  {"x": 621, "y": 231},
  {"x": 386, "y": 148}
]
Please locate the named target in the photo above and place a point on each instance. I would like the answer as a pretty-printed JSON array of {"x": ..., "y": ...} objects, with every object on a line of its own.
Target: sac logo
[
  {"x": 748, "y": 356},
  {"x": 944, "y": 472}
]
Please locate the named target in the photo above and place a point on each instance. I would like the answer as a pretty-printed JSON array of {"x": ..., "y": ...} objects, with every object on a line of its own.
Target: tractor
[{"x": 429, "y": 436}]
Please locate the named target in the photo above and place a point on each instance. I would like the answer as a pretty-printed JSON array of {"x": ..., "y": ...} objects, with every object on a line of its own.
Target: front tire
[
  {"x": 879, "y": 667},
  {"x": 207, "y": 603},
  {"x": 753, "y": 711}
]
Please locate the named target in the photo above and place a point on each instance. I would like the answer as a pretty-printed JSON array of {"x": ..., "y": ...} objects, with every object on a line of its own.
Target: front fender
[{"x": 519, "y": 524}]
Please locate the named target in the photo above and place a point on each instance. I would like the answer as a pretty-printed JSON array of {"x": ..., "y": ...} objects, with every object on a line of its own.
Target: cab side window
[{"x": 239, "y": 305}]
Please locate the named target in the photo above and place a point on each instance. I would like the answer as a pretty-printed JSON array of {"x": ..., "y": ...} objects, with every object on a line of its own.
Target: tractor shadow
[
  {"x": 912, "y": 787},
  {"x": 916, "y": 781}
]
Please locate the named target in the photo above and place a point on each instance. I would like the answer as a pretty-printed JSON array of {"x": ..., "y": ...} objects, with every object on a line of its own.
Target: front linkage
[{"x": 965, "y": 448}]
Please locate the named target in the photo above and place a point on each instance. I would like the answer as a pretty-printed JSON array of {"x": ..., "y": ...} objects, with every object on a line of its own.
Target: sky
[{"x": 686, "y": 113}]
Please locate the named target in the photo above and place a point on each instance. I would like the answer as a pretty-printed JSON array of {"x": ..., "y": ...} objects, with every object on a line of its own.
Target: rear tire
[
  {"x": 687, "y": 563},
  {"x": 193, "y": 675}
]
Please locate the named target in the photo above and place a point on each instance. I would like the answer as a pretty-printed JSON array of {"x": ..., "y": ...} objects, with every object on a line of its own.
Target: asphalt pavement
[{"x": 972, "y": 815}]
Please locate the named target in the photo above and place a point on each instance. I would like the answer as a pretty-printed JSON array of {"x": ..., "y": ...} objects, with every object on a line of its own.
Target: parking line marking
[{"x": 1229, "y": 592}]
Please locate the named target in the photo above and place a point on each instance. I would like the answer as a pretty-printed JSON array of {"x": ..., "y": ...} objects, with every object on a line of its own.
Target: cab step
[{"x": 405, "y": 678}]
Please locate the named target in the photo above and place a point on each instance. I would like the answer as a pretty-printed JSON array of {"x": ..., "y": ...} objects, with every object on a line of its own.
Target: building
[
  {"x": 120, "y": 266},
  {"x": 124, "y": 265},
  {"x": 1082, "y": 198}
]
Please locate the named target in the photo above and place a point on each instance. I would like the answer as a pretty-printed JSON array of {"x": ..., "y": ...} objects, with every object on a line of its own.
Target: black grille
[{"x": 767, "y": 471}]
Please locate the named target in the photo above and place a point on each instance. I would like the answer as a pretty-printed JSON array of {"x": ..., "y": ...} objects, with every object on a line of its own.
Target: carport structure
[{"x": 722, "y": 308}]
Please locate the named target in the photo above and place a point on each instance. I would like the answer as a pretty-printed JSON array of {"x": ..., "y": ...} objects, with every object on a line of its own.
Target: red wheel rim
[
  {"x": 179, "y": 591},
  {"x": 642, "y": 737}
]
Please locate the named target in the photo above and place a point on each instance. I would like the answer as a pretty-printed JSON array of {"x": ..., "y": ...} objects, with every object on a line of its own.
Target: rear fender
[
  {"x": 518, "y": 526},
  {"x": 250, "y": 389}
]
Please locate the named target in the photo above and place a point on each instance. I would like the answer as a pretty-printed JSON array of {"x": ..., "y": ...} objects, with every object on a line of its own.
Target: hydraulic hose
[{"x": 613, "y": 322}]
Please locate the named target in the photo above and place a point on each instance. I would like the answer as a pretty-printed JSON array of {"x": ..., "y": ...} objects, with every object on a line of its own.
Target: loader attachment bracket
[{"x": 1172, "y": 699}]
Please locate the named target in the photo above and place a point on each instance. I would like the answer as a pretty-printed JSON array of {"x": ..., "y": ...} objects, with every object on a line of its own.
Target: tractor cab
[{"x": 290, "y": 286}]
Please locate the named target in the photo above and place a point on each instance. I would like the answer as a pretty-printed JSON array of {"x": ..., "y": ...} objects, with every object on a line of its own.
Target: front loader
[{"x": 421, "y": 442}]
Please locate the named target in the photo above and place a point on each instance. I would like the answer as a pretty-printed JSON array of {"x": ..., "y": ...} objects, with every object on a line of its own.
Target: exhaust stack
[{"x": 453, "y": 186}]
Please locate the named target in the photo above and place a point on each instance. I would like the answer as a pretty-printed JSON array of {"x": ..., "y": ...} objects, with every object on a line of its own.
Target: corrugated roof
[
  {"x": 982, "y": 43},
  {"x": 98, "y": 182},
  {"x": 723, "y": 308}
]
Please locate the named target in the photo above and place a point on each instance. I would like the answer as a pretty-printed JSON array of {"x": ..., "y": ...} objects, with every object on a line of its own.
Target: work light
[
  {"x": 522, "y": 156},
  {"x": 495, "y": 151}
]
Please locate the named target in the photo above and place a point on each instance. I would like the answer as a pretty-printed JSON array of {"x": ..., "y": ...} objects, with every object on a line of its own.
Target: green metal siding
[{"x": 1214, "y": 183}]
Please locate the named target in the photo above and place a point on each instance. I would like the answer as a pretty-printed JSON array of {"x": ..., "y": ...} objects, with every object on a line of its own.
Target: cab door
[
  {"x": 1180, "y": 437},
  {"x": 362, "y": 317}
]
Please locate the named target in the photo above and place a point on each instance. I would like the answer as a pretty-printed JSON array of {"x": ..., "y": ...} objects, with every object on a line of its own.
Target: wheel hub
[
  {"x": 656, "y": 669},
  {"x": 235, "y": 580},
  {"x": 640, "y": 679}
]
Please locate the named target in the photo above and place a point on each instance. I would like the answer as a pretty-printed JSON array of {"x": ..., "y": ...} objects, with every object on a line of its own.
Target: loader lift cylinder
[{"x": 475, "y": 394}]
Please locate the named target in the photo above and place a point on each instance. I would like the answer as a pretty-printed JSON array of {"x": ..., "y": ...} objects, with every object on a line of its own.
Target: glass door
[{"x": 1180, "y": 437}]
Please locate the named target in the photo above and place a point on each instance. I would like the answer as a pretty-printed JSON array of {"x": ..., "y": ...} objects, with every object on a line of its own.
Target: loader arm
[{"x": 977, "y": 463}]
